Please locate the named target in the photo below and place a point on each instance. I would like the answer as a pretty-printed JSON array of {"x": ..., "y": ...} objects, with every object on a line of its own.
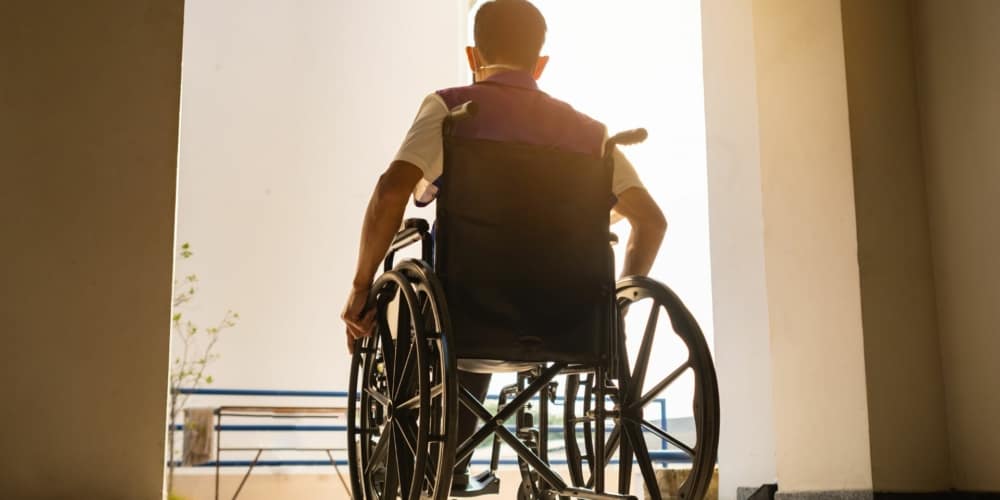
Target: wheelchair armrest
[{"x": 414, "y": 230}]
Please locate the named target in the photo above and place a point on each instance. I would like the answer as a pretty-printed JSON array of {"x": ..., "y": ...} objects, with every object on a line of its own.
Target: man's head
[{"x": 508, "y": 34}]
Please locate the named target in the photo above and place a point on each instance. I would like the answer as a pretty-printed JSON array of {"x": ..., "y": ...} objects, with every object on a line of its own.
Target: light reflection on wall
[{"x": 637, "y": 63}]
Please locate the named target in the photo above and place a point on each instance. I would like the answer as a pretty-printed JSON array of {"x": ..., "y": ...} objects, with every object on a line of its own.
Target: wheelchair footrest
[{"x": 485, "y": 483}]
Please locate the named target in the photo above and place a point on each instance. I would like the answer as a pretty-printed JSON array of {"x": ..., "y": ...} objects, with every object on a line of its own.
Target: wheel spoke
[
  {"x": 391, "y": 485},
  {"x": 425, "y": 305},
  {"x": 403, "y": 342},
  {"x": 378, "y": 396},
  {"x": 402, "y": 376},
  {"x": 414, "y": 402},
  {"x": 662, "y": 434},
  {"x": 642, "y": 361},
  {"x": 408, "y": 430},
  {"x": 634, "y": 435},
  {"x": 378, "y": 454},
  {"x": 404, "y": 463},
  {"x": 430, "y": 470},
  {"x": 408, "y": 434},
  {"x": 655, "y": 391}
]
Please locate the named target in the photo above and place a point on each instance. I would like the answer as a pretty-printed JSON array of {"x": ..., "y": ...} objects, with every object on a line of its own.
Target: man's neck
[{"x": 489, "y": 70}]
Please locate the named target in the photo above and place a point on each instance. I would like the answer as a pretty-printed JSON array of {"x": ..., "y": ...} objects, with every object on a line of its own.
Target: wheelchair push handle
[{"x": 627, "y": 138}]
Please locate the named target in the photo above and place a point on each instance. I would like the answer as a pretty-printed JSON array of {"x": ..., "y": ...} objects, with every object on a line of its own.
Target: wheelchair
[{"x": 520, "y": 272}]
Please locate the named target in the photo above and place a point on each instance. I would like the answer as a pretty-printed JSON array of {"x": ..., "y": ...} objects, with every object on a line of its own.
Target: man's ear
[
  {"x": 540, "y": 66},
  {"x": 470, "y": 53}
]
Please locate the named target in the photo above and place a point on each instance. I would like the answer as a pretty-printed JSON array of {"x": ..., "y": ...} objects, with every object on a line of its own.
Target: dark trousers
[{"x": 477, "y": 384}]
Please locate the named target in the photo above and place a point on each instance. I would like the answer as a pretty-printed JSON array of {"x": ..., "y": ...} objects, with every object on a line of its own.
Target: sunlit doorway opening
[{"x": 289, "y": 114}]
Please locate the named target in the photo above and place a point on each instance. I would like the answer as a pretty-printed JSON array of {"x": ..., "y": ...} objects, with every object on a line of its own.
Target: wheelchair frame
[
  {"x": 628, "y": 418},
  {"x": 413, "y": 422}
]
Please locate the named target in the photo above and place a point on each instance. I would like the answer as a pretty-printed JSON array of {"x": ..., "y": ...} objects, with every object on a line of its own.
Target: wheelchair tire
[
  {"x": 625, "y": 391},
  {"x": 402, "y": 409}
]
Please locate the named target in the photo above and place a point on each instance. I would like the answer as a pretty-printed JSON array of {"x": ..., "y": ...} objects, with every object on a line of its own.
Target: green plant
[{"x": 193, "y": 348}]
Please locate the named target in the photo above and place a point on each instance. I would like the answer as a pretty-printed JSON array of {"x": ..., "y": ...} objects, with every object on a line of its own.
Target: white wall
[
  {"x": 291, "y": 111},
  {"x": 742, "y": 343}
]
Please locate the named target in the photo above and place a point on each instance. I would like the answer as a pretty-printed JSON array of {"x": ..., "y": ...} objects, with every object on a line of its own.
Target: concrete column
[
  {"x": 906, "y": 411},
  {"x": 810, "y": 248},
  {"x": 89, "y": 107},
  {"x": 739, "y": 288},
  {"x": 958, "y": 74},
  {"x": 878, "y": 242}
]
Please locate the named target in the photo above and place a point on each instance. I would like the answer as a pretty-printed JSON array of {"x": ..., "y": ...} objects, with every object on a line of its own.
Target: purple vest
[{"x": 512, "y": 109}]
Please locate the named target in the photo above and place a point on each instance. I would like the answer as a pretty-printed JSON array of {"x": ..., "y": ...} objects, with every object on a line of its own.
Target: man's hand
[{"x": 360, "y": 322}]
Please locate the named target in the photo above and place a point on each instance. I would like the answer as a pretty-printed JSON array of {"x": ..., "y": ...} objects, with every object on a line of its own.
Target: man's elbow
[
  {"x": 396, "y": 184},
  {"x": 654, "y": 224},
  {"x": 389, "y": 191}
]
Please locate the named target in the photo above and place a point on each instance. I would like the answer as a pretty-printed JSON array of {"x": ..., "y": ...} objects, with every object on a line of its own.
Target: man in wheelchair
[{"x": 517, "y": 275}]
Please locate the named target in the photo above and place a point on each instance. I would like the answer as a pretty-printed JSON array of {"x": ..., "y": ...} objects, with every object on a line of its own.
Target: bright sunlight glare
[{"x": 637, "y": 63}]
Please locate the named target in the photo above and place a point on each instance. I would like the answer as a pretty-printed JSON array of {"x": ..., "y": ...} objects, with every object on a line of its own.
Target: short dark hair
[{"x": 510, "y": 31}]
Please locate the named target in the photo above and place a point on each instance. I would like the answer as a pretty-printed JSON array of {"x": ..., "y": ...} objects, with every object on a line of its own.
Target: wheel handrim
[{"x": 397, "y": 446}]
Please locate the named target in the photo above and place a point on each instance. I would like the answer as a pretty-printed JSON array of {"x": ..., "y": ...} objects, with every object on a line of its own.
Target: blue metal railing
[
  {"x": 262, "y": 392},
  {"x": 655, "y": 455},
  {"x": 663, "y": 455}
]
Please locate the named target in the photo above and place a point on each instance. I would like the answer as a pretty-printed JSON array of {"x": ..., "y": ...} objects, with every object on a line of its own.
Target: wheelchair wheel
[
  {"x": 630, "y": 391},
  {"x": 403, "y": 403}
]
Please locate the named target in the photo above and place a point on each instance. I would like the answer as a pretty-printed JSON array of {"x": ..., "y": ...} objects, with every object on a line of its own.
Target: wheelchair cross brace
[{"x": 493, "y": 424}]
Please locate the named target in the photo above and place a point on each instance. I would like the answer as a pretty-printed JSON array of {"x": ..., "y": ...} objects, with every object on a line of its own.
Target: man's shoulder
[{"x": 451, "y": 94}]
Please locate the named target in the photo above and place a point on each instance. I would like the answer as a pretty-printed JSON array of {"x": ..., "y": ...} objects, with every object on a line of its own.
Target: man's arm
[
  {"x": 382, "y": 220},
  {"x": 648, "y": 227}
]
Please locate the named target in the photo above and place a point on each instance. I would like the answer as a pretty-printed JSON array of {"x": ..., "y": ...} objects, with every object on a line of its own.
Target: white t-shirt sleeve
[
  {"x": 624, "y": 175},
  {"x": 422, "y": 146}
]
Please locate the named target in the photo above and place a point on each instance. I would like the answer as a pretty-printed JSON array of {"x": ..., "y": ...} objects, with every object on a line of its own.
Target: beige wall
[
  {"x": 909, "y": 442},
  {"x": 89, "y": 98},
  {"x": 821, "y": 415},
  {"x": 958, "y": 47},
  {"x": 739, "y": 288},
  {"x": 912, "y": 177}
]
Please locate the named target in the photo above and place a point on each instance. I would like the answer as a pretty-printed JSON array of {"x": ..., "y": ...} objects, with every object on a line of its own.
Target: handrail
[
  {"x": 655, "y": 455},
  {"x": 662, "y": 455},
  {"x": 260, "y": 392}
]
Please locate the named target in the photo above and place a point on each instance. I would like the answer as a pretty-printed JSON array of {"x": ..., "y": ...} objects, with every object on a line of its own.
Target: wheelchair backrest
[{"x": 522, "y": 251}]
